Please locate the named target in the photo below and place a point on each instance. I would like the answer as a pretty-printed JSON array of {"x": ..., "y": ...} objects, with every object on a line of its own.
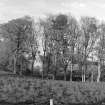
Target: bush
[{"x": 22, "y": 89}]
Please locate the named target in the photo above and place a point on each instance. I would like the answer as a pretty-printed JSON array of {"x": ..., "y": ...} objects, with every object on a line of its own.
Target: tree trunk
[
  {"x": 43, "y": 63},
  {"x": 42, "y": 74},
  {"x": 56, "y": 66},
  {"x": 64, "y": 75},
  {"x": 55, "y": 72},
  {"x": 33, "y": 60},
  {"x": 82, "y": 74},
  {"x": 48, "y": 67},
  {"x": 92, "y": 76},
  {"x": 80, "y": 69},
  {"x": 71, "y": 72},
  {"x": 99, "y": 72},
  {"x": 65, "y": 70},
  {"x": 84, "y": 64},
  {"x": 92, "y": 70},
  {"x": 21, "y": 64},
  {"x": 32, "y": 65},
  {"x": 14, "y": 65},
  {"x": 72, "y": 52}
]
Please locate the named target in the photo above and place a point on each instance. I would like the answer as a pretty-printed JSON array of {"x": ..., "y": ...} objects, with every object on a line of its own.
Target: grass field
[{"x": 30, "y": 90}]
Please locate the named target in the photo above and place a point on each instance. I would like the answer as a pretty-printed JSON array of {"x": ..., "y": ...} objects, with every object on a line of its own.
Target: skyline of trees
[{"x": 65, "y": 42}]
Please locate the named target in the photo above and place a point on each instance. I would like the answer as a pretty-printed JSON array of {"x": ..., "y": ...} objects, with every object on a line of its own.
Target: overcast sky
[{"x": 10, "y": 9}]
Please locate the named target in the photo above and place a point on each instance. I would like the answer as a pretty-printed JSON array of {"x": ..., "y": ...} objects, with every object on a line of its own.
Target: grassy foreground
[{"x": 31, "y": 90}]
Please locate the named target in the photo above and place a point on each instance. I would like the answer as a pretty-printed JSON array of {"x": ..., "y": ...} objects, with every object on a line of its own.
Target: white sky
[{"x": 10, "y": 9}]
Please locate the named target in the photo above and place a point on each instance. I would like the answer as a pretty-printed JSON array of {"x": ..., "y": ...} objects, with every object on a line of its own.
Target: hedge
[{"x": 31, "y": 90}]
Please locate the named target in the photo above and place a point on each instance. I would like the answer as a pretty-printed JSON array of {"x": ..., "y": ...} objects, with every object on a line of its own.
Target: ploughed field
[{"x": 19, "y": 90}]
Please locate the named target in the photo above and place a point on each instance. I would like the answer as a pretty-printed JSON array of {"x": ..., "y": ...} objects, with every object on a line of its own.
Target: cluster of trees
[
  {"x": 70, "y": 42},
  {"x": 65, "y": 42},
  {"x": 20, "y": 40}
]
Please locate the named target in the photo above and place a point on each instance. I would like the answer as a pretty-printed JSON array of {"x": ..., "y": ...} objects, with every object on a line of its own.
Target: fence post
[{"x": 51, "y": 101}]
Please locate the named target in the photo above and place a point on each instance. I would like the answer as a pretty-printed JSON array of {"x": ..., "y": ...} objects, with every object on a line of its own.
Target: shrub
[{"x": 22, "y": 89}]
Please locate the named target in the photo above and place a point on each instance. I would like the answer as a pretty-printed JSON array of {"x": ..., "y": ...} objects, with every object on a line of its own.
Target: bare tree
[
  {"x": 101, "y": 49},
  {"x": 31, "y": 42},
  {"x": 73, "y": 33},
  {"x": 89, "y": 35}
]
